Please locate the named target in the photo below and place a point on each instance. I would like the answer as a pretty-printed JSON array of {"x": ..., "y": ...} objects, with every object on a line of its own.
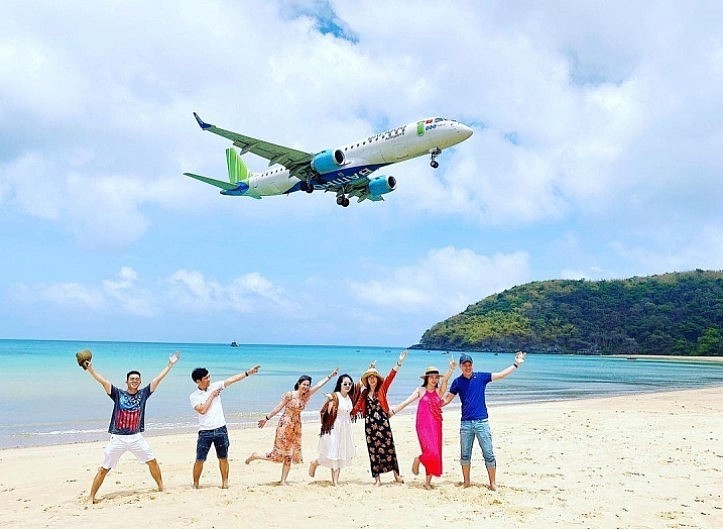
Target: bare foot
[
  {"x": 415, "y": 466},
  {"x": 195, "y": 485},
  {"x": 378, "y": 483},
  {"x": 250, "y": 458},
  {"x": 312, "y": 468},
  {"x": 398, "y": 478},
  {"x": 92, "y": 500},
  {"x": 492, "y": 486},
  {"x": 428, "y": 486},
  {"x": 224, "y": 485},
  {"x": 466, "y": 485}
]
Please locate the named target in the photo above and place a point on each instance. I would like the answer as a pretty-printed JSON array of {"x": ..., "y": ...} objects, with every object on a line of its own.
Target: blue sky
[{"x": 597, "y": 154}]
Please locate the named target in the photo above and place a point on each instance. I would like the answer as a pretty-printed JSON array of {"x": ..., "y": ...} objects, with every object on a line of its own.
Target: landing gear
[
  {"x": 307, "y": 186},
  {"x": 433, "y": 154},
  {"x": 342, "y": 201}
]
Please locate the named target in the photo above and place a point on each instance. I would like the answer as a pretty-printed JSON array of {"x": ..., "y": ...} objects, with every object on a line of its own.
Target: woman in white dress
[{"x": 336, "y": 441}]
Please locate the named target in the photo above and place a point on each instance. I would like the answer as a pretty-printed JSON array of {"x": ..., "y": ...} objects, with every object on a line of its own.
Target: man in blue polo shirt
[{"x": 470, "y": 386}]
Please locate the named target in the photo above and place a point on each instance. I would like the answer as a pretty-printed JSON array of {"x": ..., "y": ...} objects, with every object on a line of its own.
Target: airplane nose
[{"x": 465, "y": 130}]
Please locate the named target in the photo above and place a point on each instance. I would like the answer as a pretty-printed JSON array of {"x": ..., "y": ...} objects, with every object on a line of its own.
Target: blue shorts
[
  {"x": 468, "y": 431},
  {"x": 218, "y": 437}
]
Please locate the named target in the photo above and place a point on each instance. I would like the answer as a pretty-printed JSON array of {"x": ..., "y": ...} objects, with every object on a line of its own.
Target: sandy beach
[{"x": 640, "y": 461}]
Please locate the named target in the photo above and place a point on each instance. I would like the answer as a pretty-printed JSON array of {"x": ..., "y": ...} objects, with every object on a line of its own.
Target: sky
[{"x": 597, "y": 153}]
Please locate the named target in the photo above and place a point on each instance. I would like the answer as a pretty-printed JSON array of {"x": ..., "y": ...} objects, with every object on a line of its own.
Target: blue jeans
[
  {"x": 217, "y": 437},
  {"x": 480, "y": 429}
]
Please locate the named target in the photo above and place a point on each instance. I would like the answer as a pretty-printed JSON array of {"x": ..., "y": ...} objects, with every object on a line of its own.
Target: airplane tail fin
[{"x": 237, "y": 170}]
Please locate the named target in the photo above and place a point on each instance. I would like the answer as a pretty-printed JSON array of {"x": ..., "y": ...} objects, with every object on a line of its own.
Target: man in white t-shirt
[{"x": 206, "y": 400}]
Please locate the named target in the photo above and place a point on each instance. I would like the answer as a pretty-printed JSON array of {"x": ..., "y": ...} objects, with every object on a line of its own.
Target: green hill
[{"x": 668, "y": 314}]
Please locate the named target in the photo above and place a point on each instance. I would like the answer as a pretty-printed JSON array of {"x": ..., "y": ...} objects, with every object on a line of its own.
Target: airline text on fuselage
[{"x": 389, "y": 134}]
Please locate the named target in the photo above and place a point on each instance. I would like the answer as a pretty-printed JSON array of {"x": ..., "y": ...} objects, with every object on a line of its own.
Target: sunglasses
[{"x": 346, "y": 384}]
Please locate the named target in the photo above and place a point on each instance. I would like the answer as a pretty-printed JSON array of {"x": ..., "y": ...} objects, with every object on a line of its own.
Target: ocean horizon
[{"x": 48, "y": 399}]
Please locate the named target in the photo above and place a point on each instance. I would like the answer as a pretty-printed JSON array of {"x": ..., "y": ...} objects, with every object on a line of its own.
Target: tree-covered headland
[{"x": 668, "y": 314}]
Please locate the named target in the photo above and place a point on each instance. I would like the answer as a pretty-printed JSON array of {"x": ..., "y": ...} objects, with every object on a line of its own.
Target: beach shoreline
[
  {"x": 637, "y": 460},
  {"x": 676, "y": 358},
  {"x": 249, "y": 422}
]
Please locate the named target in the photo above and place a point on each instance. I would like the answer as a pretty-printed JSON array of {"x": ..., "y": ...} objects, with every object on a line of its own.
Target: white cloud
[
  {"x": 125, "y": 292},
  {"x": 564, "y": 117},
  {"x": 192, "y": 292},
  {"x": 61, "y": 295},
  {"x": 183, "y": 292},
  {"x": 446, "y": 281}
]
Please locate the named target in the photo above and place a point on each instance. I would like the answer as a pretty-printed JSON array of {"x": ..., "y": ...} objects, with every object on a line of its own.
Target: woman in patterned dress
[
  {"x": 429, "y": 421},
  {"x": 287, "y": 443},
  {"x": 373, "y": 406}
]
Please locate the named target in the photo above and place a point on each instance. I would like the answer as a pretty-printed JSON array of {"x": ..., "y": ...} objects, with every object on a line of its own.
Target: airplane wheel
[
  {"x": 309, "y": 188},
  {"x": 303, "y": 186},
  {"x": 339, "y": 200},
  {"x": 434, "y": 164},
  {"x": 345, "y": 203}
]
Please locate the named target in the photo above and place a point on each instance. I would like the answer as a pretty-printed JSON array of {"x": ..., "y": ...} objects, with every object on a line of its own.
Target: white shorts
[{"x": 118, "y": 446}]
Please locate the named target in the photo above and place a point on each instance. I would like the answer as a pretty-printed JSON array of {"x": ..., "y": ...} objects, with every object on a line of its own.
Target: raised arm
[
  {"x": 240, "y": 376},
  {"x": 445, "y": 379},
  {"x": 519, "y": 359},
  {"x": 172, "y": 359},
  {"x": 448, "y": 397},
  {"x": 280, "y": 406},
  {"x": 97, "y": 376},
  {"x": 392, "y": 374},
  {"x": 323, "y": 381},
  {"x": 411, "y": 398},
  {"x": 400, "y": 360}
]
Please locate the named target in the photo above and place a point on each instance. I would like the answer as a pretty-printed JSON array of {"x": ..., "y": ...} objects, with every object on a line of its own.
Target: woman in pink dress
[
  {"x": 287, "y": 443},
  {"x": 429, "y": 421}
]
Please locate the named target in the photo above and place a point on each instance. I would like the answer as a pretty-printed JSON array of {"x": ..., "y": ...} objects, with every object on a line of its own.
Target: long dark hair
[
  {"x": 302, "y": 378},
  {"x": 341, "y": 379}
]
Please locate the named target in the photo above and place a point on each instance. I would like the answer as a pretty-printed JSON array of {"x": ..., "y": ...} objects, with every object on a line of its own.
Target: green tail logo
[{"x": 237, "y": 170}]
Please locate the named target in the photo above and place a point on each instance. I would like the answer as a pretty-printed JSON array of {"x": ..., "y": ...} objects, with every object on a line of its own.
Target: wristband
[
  {"x": 515, "y": 365},
  {"x": 246, "y": 373},
  {"x": 266, "y": 417}
]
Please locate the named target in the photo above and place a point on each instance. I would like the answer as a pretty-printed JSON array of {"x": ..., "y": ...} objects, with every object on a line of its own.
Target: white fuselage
[{"x": 367, "y": 155}]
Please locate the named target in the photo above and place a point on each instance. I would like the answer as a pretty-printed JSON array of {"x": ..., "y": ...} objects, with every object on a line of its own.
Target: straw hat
[
  {"x": 431, "y": 370},
  {"x": 369, "y": 372}
]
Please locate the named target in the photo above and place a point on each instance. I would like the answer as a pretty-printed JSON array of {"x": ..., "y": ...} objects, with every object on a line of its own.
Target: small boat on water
[{"x": 234, "y": 344}]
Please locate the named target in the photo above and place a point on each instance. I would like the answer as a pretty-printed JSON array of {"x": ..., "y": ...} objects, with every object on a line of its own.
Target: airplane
[{"x": 346, "y": 171}]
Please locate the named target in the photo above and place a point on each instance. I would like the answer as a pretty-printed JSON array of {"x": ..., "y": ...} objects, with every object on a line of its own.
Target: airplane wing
[{"x": 297, "y": 162}]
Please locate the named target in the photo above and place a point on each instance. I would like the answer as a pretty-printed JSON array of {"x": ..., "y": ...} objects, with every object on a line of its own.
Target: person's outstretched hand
[{"x": 520, "y": 357}]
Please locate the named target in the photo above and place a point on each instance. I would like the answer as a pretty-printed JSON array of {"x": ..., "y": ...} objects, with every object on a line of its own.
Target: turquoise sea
[{"x": 46, "y": 399}]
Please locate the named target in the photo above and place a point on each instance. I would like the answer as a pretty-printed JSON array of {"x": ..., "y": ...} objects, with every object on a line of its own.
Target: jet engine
[
  {"x": 328, "y": 161},
  {"x": 382, "y": 185}
]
